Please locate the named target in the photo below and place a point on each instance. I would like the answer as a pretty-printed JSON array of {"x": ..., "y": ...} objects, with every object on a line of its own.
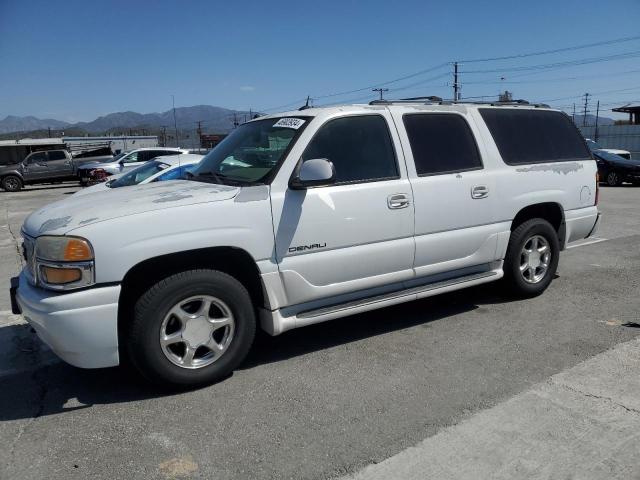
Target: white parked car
[
  {"x": 171, "y": 167},
  {"x": 124, "y": 162},
  {"x": 304, "y": 217}
]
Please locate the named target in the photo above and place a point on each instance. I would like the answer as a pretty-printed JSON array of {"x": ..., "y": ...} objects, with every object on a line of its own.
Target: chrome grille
[{"x": 28, "y": 250}]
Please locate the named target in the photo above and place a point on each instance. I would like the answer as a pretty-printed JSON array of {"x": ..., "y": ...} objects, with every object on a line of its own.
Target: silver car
[{"x": 126, "y": 161}]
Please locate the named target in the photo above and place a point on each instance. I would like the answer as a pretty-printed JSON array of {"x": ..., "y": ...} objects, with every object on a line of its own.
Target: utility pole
[
  {"x": 175, "y": 125},
  {"x": 597, "y": 115},
  {"x": 164, "y": 135},
  {"x": 380, "y": 90},
  {"x": 584, "y": 114},
  {"x": 49, "y": 128},
  {"x": 574, "y": 114},
  {"x": 456, "y": 85},
  {"x": 199, "y": 131},
  {"x": 235, "y": 120}
]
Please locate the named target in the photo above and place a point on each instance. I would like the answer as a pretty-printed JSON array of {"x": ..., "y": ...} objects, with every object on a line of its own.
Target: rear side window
[
  {"x": 534, "y": 136},
  {"x": 441, "y": 143},
  {"x": 360, "y": 148},
  {"x": 57, "y": 155}
]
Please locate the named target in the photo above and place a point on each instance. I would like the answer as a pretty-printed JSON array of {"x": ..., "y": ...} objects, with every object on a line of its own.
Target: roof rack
[{"x": 433, "y": 100}]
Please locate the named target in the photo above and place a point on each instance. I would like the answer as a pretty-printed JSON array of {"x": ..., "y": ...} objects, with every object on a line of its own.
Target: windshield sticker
[{"x": 294, "y": 123}]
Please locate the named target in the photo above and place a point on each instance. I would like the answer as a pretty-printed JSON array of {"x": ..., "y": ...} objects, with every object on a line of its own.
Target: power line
[
  {"x": 556, "y": 50},
  {"x": 549, "y": 66}
]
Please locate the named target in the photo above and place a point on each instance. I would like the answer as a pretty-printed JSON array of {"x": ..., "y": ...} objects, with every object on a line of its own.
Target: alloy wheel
[{"x": 197, "y": 331}]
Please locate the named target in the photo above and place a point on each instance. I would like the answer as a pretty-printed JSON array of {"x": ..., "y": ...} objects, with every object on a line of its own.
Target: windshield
[
  {"x": 139, "y": 174},
  {"x": 592, "y": 145},
  {"x": 114, "y": 159},
  {"x": 251, "y": 152}
]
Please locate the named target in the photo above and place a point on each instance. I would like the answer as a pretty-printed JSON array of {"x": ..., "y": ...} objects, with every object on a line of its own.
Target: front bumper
[{"x": 80, "y": 327}]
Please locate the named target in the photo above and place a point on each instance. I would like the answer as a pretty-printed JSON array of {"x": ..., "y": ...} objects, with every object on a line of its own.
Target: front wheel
[
  {"x": 192, "y": 328},
  {"x": 614, "y": 179},
  {"x": 11, "y": 183},
  {"x": 532, "y": 258}
]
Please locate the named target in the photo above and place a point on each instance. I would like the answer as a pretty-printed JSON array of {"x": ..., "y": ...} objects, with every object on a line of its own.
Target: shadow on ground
[{"x": 60, "y": 388}]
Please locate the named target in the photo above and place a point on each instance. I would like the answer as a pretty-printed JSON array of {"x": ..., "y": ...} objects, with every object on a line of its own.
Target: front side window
[
  {"x": 39, "y": 157},
  {"x": 139, "y": 174},
  {"x": 441, "y": 143},
  {"x": 360, "y": 148},
  {"x": 526, "y": 136},
  {"x": 251, "y": 153}
]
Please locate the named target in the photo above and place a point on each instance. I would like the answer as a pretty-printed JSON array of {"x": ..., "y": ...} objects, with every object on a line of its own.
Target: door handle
[
  {"x": 398, "y": 200},
  {"x": 479, "y": 191}
]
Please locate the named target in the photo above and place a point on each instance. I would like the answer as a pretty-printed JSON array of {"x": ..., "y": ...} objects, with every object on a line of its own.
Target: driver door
[
  {"x": 36, "y": 167},
  {"x": 357, "y": 233}
]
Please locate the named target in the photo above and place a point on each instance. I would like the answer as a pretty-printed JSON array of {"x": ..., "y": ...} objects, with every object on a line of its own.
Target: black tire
[
  {"x": 143, "y": 337},
  {"x": 513, "y": 278},
  {"x": 614, "y": 179},
  {"x": 12, "y": 183}
]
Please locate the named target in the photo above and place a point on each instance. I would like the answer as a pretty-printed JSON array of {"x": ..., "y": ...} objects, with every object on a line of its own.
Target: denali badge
[{"x": 302, "y": 248}]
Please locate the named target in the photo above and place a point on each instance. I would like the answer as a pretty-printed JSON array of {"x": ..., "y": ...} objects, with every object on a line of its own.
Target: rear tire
[
  {"x": 198, "y": 298},
  {"x": 532, "y": 258},
  {"x": 12, "y": 183},
  {"x": 614, "y": 179}
]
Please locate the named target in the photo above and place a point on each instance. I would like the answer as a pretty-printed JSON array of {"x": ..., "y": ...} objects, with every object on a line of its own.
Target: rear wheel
[
  {"x": 191, "y": 329},
  {"x": 532, "y": 258},
  {"x": 614, "y": 179},
  {"x": 11, "y": 183}
]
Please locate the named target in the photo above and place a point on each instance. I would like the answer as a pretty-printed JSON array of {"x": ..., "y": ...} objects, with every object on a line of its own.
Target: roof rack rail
[{"x": 431, "y": 100}]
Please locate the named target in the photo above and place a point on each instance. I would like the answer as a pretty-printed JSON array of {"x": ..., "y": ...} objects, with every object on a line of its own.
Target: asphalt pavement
[{"x": 327, "y": 400}]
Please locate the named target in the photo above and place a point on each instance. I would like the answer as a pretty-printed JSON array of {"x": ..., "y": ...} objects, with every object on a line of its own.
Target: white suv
[{"x": 304, "y": 217}]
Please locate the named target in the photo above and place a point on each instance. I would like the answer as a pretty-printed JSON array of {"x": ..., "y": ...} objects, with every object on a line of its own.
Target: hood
[
  {"x": 616, "y": 159},
  {"x": 76, "y": 211},
  {"x": 91, "y": 165}
]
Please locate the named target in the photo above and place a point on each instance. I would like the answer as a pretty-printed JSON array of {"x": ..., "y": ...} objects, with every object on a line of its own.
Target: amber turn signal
[
  {"x": 60, "y": 276},
  {"x": 77, "y": 250}
]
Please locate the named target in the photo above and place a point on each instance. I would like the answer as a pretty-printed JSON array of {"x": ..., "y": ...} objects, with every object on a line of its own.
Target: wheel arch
[
  {"x": 550, "y": 211},
  {"x": 231, "y": 260}
]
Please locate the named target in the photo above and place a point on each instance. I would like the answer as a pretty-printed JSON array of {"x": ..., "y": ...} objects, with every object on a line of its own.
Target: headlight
[{"x": 64, "y": 263}]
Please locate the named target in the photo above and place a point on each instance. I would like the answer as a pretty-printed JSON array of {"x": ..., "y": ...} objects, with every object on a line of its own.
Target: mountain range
[{"x": 214, "y": 119}]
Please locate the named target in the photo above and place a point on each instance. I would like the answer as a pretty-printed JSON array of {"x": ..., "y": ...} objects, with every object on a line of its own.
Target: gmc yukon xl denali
[{"x": 304, "y": 217}]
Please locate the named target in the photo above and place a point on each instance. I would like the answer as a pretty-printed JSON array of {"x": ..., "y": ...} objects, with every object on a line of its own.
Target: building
[{"x": 632, "y": 110}]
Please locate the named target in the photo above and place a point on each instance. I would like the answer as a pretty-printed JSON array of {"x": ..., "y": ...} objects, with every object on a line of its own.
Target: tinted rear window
[{"x": 534, "y": 136}]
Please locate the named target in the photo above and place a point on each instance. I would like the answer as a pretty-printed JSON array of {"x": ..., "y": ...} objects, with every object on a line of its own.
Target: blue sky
[{"x": 76, "y": 60}]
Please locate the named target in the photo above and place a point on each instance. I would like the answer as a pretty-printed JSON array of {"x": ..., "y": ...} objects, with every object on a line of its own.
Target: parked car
[
  {"x": 304, "y": 217},
  {"x": 614, "y": 169},
  {"x": 170, "y": 167},
  {"x": 44, "y": 167},
  {"x": 124, "y": 162},
  {"x": 594, "y": 147}
]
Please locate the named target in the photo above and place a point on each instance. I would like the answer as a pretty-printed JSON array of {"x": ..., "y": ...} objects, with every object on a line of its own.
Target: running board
[
  {"x": 390, "y": 296},
  {"x": 275, "y": 323}
]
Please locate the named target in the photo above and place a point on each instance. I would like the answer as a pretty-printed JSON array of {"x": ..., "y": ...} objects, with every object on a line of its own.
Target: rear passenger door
[
  {"x": 59, "y": 164},
  {"x": 454, "y": 194}
]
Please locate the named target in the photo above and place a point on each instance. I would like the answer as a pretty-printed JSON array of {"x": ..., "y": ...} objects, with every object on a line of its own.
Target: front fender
[{"x": 123, "y": 242}]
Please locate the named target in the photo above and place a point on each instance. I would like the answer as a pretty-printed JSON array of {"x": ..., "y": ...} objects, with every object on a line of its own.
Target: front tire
[
  {"x": 532, "y": 258},
  {"x": 192, "y": 328},
  {"x": 11, "y": 183},
  {"x": 614, "y": 179}
]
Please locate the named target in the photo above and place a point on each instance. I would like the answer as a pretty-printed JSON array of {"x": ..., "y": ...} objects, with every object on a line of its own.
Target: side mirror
[{"x": 316, "y": 172}]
